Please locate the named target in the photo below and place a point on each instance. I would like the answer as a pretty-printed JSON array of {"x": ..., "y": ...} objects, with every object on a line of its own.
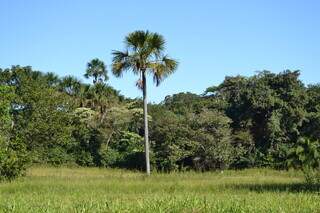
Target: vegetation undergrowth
[{"x": 54, "y": 189}]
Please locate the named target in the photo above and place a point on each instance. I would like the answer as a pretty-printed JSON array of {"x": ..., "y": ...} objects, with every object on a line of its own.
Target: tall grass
[{"x": 47, "y": 189}]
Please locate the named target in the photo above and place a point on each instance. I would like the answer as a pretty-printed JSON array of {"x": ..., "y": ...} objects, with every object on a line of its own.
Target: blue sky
[{"x": 211, "y": 39}]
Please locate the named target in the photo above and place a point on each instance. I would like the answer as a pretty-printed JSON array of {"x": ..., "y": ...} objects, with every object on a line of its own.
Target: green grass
[{"x": 108, "y": 190}]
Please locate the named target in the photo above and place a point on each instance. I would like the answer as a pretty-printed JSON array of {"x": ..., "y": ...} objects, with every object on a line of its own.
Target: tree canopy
[{"x": 267, "y": 119}]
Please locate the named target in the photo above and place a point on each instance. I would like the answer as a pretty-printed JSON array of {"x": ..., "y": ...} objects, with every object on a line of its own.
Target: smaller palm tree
[
  {"x": 70, "y": 85},
  {"x": 97, "y": 70},
  {"x": 52, "y": 79}
]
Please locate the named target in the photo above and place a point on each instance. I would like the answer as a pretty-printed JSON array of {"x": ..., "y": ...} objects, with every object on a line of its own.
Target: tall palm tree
[
  {"x": 144, "y": 54},
  {"x": 97, "y": 70}
]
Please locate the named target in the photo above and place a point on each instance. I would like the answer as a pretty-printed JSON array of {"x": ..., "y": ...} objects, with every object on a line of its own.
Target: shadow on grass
[{"x": 278, "y": 187}]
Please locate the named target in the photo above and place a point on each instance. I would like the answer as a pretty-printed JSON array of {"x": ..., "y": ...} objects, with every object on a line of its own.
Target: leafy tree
[
  {"x": 311, "y": 126},
  {"x": 12, "y": 156},
  {"x": 183, "y": 103},
  {"x": 215, "y": 150},
  {"x": 172, "y": 140},
  {"x": 41, "y": 118},
  {"x": 144, "y": 53},
  {"x": 271, "y": 107}
]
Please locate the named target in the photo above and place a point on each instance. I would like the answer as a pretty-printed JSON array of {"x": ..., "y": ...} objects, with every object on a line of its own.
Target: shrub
[
  {"x": 305, "y": 155},
  {"x": 12, "y": 162},
  {"x": 130, "y": 148},
  {"x": 108, "y": 156},
  {"x": 84, "y": 158},
  {"x": 58, "y": 156},
  {"x": 312, "y": 175}
]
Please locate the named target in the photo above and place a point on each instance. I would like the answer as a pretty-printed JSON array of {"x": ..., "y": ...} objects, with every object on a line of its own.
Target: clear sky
[{"x": 210, "y": 39}]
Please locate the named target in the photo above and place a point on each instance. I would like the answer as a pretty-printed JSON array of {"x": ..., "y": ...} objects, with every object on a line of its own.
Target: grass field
[{"x": 106, "y": 190}]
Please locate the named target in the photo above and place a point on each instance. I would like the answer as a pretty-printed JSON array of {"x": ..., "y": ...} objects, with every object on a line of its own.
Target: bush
[
  {"x": 305, "y": 155},
  {"x": 12, "y": 163},
  {"x": 312, "y": 175},
  {"x": 108, "y": 156},
  {"x": 11, "y": 166},
  {"x": 58, "y": 156},
  {"x": 130, "y": 150},
  {"x": 245, "y": 156},
  {"x": 84, "y": 158}
]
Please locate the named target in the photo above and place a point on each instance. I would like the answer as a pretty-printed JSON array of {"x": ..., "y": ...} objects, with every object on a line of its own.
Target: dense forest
[{"x": 268, "y": 120}]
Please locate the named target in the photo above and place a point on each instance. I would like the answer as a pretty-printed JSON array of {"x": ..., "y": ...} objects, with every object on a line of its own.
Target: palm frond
[
  {"x": 123, "y": 61},
  {"x": 136, "y": 39},
  {"x": 120, "y": 62},
  {"x": 155, "y": 44},
  {"x": 139, "y": 84},
  {"x": 162, "y": 69},
  {"x": 71, "y": 85}
]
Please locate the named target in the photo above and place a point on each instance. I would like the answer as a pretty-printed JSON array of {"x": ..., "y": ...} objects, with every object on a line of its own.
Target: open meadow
[{"x": 47, "y": 189}]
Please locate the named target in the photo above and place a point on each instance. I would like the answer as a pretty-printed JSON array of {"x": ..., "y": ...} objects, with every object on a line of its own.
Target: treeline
[{"x": 265, "y": 120}]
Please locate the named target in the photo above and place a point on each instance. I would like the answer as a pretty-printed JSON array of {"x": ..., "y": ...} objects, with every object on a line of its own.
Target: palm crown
[{"x": 144, "y": 53}]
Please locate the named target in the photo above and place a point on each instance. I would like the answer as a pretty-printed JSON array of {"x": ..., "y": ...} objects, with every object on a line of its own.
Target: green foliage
[
  {"x": 305, "y": 155},
  {"x": 130, "y": 149},
  {"x": 270, "y": 107},
  {"x": 182, "y": 103},
  {"x": 213, "y": 135},
  {"x": 243, "y": 122},
  {"x": 12, "y": 157},
  {"x": 172, "y": 140},
  {"x": 109, "y": 157},
  {"x": 200, "y": 141},
  {"x": 244, "y": 146},
  {"x": 40, "y": 113},
  {"x": 97, "y": 70},
  {"x": 12, "y": 163},
  {"x": 144, "y": 52},
  {"x": 311, "y": 127},
  {"x": 312, "y": 175}
]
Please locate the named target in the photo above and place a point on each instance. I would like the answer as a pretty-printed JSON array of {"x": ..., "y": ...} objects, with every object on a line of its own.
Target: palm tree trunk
[{"x": 145, "y": 115}]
